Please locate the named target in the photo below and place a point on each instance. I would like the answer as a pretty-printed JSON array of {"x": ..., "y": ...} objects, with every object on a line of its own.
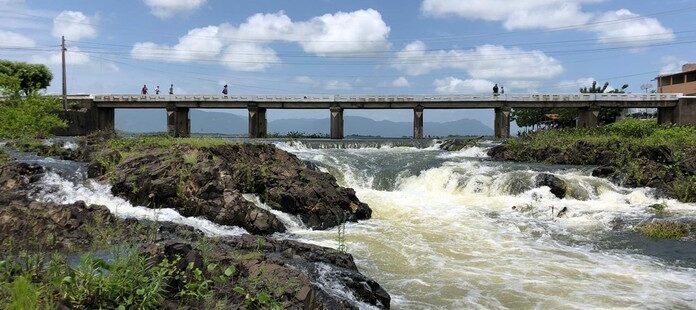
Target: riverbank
[
  {"x": 631, "y": 153},
  {"x": 158, "y": 263}
]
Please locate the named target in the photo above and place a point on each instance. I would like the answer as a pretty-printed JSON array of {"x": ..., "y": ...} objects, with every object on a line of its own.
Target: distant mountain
[{"x": 140, "y": 121}]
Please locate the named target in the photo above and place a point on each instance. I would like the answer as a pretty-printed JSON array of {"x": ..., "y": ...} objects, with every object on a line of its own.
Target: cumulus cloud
[
  {"x": 249, "y": 57},
  {"x": 329, "y": 34},
  {"x": 572, "y": 86},
  {"x": 168, "y": 8},
  {"x": 482, "y": 62},
  {"x": 245, "y": 47},
  {"x": 452, "y": 85},
  {"x": 74, "y": 26},
  {"x": 625, "y": 28},
  {"x": 401, "y": 82},
  {"x": 621, "y": 27},
  {"x": 12, "y": 39},
  {"x": 518, "y": 14},
  {"x": 199, "y": 44}
]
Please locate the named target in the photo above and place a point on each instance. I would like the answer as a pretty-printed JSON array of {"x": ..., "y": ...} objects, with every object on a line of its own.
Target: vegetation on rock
[
  {"x": 664, "y": 230},
  {"x": 641, "y": 152}
]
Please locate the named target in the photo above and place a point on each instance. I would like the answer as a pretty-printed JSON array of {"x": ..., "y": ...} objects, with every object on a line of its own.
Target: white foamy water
[
  {"x": 54, "y": 188},
  {"x": 446, "y": 235}
]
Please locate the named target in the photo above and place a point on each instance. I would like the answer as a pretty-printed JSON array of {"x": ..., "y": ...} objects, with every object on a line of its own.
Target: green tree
[
  {"x": 26, "y": 114},
  {"x": 606, "y": 115},
  {"x": 32, "y": 77}
]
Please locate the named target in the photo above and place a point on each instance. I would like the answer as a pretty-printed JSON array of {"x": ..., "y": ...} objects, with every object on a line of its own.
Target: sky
[{"x": 351, "y": 47}]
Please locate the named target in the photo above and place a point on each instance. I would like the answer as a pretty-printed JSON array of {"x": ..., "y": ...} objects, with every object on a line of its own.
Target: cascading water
[{"x": 454, "y": 230}]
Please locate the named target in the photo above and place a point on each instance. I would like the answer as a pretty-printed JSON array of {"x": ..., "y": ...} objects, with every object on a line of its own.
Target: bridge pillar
[
  {"x": 588, "y": 118},
  {"x": 418, "y": 122},
  {"x": 178, "y": 122},
  {"x": 105, "y": 119},
  {"x": 336, "y": 123},
  {"x": 686, "y": 112},
  {"x": 666, "y": 116},
  {"x": 502, "y": 123},
  {"x": 257, "y": 122}
]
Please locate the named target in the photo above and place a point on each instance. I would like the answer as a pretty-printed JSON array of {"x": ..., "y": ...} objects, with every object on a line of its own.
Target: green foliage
[
  {"x": 663, "y": 230},
  {"x": 685, "y": 189},
  {"x": 658, "y": 208},
  {"x": 31, "y": 77},
  {"x": 129, "y": 281},
  {"x": 25, "y": 116}
]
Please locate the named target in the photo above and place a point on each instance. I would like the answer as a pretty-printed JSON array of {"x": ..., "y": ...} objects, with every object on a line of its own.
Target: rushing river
[
  {"x": 453, "y": 230},
  {"x": 444, "y": 234}
]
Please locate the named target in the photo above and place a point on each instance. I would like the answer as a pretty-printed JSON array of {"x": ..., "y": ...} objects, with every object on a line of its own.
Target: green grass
[
  {"x": 664, "y": 230},
  {"x": 629, "y": 131},
  {"x": 127, "y": 143}
]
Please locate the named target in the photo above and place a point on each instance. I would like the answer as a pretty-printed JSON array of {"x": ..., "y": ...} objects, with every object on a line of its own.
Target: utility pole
[{"x": 65, "y": 86}]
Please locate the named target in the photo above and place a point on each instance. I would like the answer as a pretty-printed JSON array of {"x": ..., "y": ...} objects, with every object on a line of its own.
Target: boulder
[
  {"x": 15, "y": 178},
  {"x": 603, "y": 171},
  {"x": 557, "y": 185}
]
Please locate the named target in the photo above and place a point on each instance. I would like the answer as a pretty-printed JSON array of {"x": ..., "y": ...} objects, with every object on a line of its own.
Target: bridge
[{"x": 98, "y": 112}]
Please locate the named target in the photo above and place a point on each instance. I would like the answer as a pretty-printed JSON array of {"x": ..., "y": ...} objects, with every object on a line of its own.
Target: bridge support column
[
  {"x": 502, "y": 123},
  {"x": 336, "y": 123},
  {"x": 257, "y": 122},
  {"x": 588, "y": 118},
  {"x": 685, "y": 113},
  {"x": 105, "y": 119},
  {"x": 418, "y": 122},
  {"x": 178, "y": 122},
  {"x": 666, "y": 116}
]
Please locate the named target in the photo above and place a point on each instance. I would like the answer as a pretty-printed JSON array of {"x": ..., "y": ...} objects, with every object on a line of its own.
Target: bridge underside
[{"x": 100, "y": 112}]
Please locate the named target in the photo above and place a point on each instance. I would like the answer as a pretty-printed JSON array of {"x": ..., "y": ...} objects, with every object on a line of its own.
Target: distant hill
[{"x": 141, "y": 121}]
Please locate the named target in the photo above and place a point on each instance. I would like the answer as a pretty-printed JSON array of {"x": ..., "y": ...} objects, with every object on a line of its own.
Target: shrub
[
  {"x": 29, "y": 115},
  {"x": 663, "y": 230}
]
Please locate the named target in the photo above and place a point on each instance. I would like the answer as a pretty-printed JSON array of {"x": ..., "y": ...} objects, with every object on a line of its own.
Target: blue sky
[{"x": 352, "y": 47}]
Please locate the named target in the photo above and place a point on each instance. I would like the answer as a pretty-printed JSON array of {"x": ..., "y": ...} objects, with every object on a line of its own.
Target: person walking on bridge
[
  {"x": 224, "y": 90},
  {"x": 171, "y": 89},
  {"x": 157, "y": 91},
  {"x": 502, "y": 90},
  {"x": 495, "y": 90},
  {"x": 144, "y": 90}
]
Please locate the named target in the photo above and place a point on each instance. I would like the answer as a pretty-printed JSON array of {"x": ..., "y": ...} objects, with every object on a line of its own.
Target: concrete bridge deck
[{"x": 673, "y": 108}]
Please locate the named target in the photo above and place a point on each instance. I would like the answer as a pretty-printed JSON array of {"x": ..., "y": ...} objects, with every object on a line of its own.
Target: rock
[
  {"x": 603, "y": 172},
  {"x": 15, "y": 178},
  {"x": 458, "y": 144},
  {"x": 558, "y": 186},
  {"x": 660, "y": 154},
  {"x": 562, "y": 212},
  {"x": 213, "y": 183}
]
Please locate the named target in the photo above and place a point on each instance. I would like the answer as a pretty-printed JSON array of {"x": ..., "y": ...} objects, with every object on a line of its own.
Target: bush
[
  {"x": 26, "y": 116},
  {"x": 663, "y": 230}
]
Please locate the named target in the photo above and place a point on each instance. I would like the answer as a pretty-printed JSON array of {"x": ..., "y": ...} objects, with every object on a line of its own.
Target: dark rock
[
  {"x": 660, "y": 154},
  {"x": 558, "y": 186},
  {"x": 562, "y": 212},
  {"x": 15, "y": 178},
  {"x": 458, "y": 144},
  {"x": 212, "y": 185},
  {"x": 603, "y": 172}
]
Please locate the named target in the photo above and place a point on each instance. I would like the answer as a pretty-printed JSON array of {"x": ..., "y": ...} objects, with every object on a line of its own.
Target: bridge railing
[{"x": 389, "y": 98}]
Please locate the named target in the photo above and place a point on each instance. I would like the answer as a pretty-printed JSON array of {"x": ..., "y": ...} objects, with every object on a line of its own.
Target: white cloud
[
  {"x": 168, "y": 8},
  {"x": 12, "y": 39},
  {"x": 338, "y": 85},
  {"x": 452, "y": 85},
  {"x": 401, "y": 82},
  {"x": 249, "y": 57},
  {"x": 625, "y": 28},
  {"x": 72, "y": 57},
  {"x": 329, "y": 34},
  {"x": 671, "y": 64},
  {"x": 518, "y": 14},
  {"x": 74, "y": 26},
  {"x": 483, "y": 62},
  {"x": 303, "y": 80},
  {"x": 200, "y": 44},
  {"x": 572, "y": 86}
]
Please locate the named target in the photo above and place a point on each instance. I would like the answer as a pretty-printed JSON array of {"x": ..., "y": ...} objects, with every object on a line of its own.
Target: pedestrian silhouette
[
  {"x": 157, "y": 91},
  {"x": 224, "y": 90},
  {"x": 171, "y": 89},
  {"x": 495, "y": 89},
  {"x": 144, "y": 91},
  {"x": 502, "y": 90}
]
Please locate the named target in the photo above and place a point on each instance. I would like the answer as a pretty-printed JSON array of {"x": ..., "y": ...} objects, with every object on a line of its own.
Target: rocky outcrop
[
  {"x": 210, "y": 181},
  {"x": 626, "y": 165},
  {"x": 458, "y": 144},
  {"x": 558, "y": 187},
  {"x": 15, "y": 179}
]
